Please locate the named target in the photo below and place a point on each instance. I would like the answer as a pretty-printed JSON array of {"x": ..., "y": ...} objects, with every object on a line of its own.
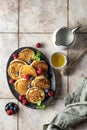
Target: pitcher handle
[{"x": 77, "y": 28}]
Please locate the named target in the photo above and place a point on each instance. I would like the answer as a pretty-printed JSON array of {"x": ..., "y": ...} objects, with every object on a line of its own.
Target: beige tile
[
  {"x": 8, "y": 43},
  {"x": 30, "y": 119},
  {"x": 47, "y": 48},
  {"x": 42, "y": 16},
  {"x": 80, "y": 70},
  {"x": 78, "y": 13},
  {"x": 8, "y": 15},
  {"x": 7, "y": 122}
]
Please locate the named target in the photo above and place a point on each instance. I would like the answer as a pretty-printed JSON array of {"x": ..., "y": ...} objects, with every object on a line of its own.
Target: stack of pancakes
[{"x": 34, "y": 89}]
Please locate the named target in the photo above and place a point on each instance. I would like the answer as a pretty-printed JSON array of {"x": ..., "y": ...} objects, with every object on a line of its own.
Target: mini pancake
[
  {"x": 41, "y": 82},
  {"x": 42, "y": 64},
  {"x": 26, "y": 54},
  {"x": 27, "y": 69},
  {"x": 21, "y": 86},
  {"x": 35, "y": 94},
  {"x": 13, "y": 69}
]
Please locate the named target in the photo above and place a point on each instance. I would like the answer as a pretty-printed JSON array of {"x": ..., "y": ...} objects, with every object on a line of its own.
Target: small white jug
[{"x": 65, "y": 37}]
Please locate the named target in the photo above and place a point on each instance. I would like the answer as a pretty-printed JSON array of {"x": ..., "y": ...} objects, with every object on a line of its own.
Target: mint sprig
[
  {"x": 40, "y": 105},
  {"x": 37, "y": 55}
]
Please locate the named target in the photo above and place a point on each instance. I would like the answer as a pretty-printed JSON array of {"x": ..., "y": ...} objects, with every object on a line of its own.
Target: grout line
[
  {"x": 18, "y": 118},
  {"x": 67, "y": 50},
  {"x": 18, "y": 47},
  {"x": 7, "y": 98},
  {"x": 8, "y": 32},
  {"x": 18, "y": 21},
  {"x": 67, "y": 13},
  {"x": 35, "y": 33}
]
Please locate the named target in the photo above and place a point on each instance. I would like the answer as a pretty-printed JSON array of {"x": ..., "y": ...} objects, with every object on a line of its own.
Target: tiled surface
[
  {"x": 8, "y": 43},
  {"x": 80, "y": 70},
  {"x": 7, "y": 122},
  {"x": 24, "y": 23},
  {"x": 78, "y": 13},
  {"x": 39, "y": 116},
  {"x": 8, "y": 15},
  {"x": 42, "y": 16}
]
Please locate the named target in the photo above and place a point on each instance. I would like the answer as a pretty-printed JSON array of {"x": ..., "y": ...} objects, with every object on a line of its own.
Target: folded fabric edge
[{"x": 45, "y": 126}]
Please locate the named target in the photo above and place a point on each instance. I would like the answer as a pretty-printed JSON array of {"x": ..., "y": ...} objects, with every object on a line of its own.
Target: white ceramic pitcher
[{"x": 65, "y": 37}]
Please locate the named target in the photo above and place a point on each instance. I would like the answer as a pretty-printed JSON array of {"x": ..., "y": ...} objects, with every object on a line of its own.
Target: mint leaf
[
  {"x": 38, "y": 53},
  {"x": 39, "y": 103},
  {"x": 37, "y": 58},
  {"x": 43, "y": 106}
]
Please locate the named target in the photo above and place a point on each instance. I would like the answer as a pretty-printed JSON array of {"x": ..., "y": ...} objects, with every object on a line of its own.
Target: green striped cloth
[{"x": 75, "y": 111}]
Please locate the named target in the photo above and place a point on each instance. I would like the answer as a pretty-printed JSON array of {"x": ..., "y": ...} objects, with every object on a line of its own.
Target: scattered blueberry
[
  {"x": 46, "y": 90},
  {"x": 31, "y": 77},
  {"x": 48, "y": 75},
  {"x": 29, "y": 86},
  {"x": 7, "y": 108},
  {"x": 11, "y": 108},
  {"x": 10, "y": 105},
  {"x": 17, "y": 73},
  {"x": 15, "y": 109},
  {"x": 29, "y": 62}
]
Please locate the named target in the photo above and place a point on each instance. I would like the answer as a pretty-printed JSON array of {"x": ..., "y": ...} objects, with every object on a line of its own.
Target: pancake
[
  {"x": 26, "y": 55},
  {"x": 27, "y": 69},
  {"x": 42, "y": 64},
  {"x": 21, "y": 86},
  {"x": 35, "y": 94},
  {"x": 41, "y": 82},
  {"x": 13, "y": 69}
]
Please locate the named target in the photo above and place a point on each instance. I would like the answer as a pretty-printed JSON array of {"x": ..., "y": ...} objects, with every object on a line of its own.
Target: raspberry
[
  {"x": 10, "y": 112},
  {"x": 26, "y": 76},
  {"x": 50, "y": 93},
  {"x": 39, "y": 70},
  {"x": 38, "y": 45},
  {"x": 25, "y": 101},
  {"x": 15, "y": 56},
  {"x": 21, "y": 97},
  {"x": 11, "y": 81}
]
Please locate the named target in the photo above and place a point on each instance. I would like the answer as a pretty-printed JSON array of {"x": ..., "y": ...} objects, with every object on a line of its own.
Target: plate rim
[{"x": 33, "y": 106}]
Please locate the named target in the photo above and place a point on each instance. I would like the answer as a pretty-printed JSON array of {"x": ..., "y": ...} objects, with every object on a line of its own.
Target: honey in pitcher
[{"x": 58, "y": 60}]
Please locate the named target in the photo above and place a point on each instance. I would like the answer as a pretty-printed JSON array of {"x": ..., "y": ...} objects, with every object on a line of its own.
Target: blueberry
[
  {"x": 46, "y": 90},
  {"x": 31, "y": 78},
  {"x": 11, "y": 108},
  {"x": 29, "y": 62},
  {"x": 16, "y": 109},
  {"x": 48, "y": 75},
  {"x": 11, "y": 104},
  {"x": 29, "y": 86},
  {"x": 17, "y": 73},
  {"x": 7, "y": 107}
]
